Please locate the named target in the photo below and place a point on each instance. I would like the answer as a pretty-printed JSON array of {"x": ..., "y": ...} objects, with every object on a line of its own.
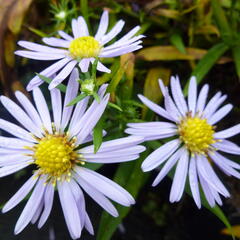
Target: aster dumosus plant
[{"x": 194, "y": 142}]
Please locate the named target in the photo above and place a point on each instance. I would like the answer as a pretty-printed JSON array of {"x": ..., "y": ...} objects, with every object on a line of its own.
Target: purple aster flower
[
  {"x": 80, "y": 49},
  {"x": 54, "y": 147},
  {"x": 194, "y": 145}
]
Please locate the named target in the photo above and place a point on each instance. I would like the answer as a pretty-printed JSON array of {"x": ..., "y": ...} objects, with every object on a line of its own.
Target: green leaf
[
  {"x": 60, "y": 86},
  {"x": 98, "y": 134},
  {"x": 177, "y": 41},
  {"x": 130, "y": 176},
  {"x": 110, "y": 104},
  {"x": 207, "y": 62},
  {"x": 77, "y": 99},
  {"x": 236, "y": 57}
]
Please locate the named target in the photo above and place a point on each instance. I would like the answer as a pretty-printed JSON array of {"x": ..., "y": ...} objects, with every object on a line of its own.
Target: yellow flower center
[
  {"x": 196, "y": 134},
  {"x": 55, "y": 155},
  {"x": 84, "y": 47}
]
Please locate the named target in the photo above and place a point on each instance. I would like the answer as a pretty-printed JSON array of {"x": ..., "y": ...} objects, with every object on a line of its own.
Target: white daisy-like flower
[
  {"x": 55, "y": 149},
  {"x": 80, "y": 49},
  {"x": 195, "y": 145}
]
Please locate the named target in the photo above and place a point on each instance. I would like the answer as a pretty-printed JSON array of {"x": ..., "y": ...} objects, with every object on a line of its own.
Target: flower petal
[
  {"x": 202, "y": 98},
  {"x": 56, "y": 100},
  {"x": 71, "y": 93},
  {"x": 227, "y": 133},
  {"x": 103, "y": 26},
  {"x": 104, "y": 185},
  {"x": 63, "y": 74},
  {"x": 167, "y": 167},
  {"x": 221, "y": 113},
  {"x": 179, "y": 178},
  {"x": 160, "y": 155},
  {"x": 31, "y": 207},
  {"x": 192, "y": 95}
]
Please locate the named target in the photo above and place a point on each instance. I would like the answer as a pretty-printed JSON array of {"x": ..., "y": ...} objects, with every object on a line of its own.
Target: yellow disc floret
[
  {"x": 197, "y": 134},
  {"x": 55, "y": 155},
  {"x": 84, "y": 47}
]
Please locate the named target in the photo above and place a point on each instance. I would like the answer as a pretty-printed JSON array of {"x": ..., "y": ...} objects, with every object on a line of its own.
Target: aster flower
[
  {"x": 80, "y": 49},
  {"x": 55, "y": 150},
  {"x": 194, "y": 145}
]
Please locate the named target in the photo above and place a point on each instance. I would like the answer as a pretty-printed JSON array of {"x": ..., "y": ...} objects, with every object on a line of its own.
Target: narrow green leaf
[
  {"x": 130, "y": 176},
  {"x": 221, "y": 21},
  {"x": 177, "y": 41},
  {"x": 77, "y": 99},
  {"x": 38, "y": 32},
  {"x": 236, "y": 57},
  {"x": 110, "y": 104},
  {"x": 61, "y": 86},
  {"x": 98, "y": 134},
  {"x": 207, "y": 62}
]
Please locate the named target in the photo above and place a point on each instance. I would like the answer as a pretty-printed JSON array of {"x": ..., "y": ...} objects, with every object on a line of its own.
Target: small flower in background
[
  {"x": 80, "y": 49},
  {"x": 198, "y": 144},
  {"x": 55, "y": 149}
]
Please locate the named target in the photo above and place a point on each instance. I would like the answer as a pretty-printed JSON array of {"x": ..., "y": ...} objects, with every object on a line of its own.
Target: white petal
[
  {"x": 37, "y": 212},
  {"x": 210, "y": 111},
  {"x": 102, "y": 68},
  {"x": 225, "y": 164},
  {"x": 15, "y": 159},
  {"x": 5, "y": 171},
  {"x": 90, "y": 123},
  {"x": 227, "y": 146},
  {"x": 178, "y": 95},
  {"x": 112, "y": 145},
  {"x": 29, "y": 108},
  {"x": 78, "y": 113},
  {"x": 70, "y": 209},
  {"x": 171, "y": 108},
  {"x": 192, "y": 95},
  {"x": 15, "y": 143},
  {"x": 193, "y": 181},
  {"x": 167, "y": 167},
  {"x": 179, "y": 178},
  {"x": 120, "y": 51},
  {"x": 154, "y": 107},
  {"x": 103, "y": 25},
  {"x": 20, "y": 194},
  {"x": 113, "y": 33},
  {"x": 41, "y": 48},
  {"x": 84, "y": 64},
  {"x": 202, "y": 98},
  {"x": 65, "y": 35},
  {"x": 109, "y": 188},
  {"x": 97, "y": 196},
  {"x": 82, "y": 26},
  {"x": 224, "y": 160},
  {"x": 227, "y": 133},
  {"x": 71, "y": 93},
  {"x": 211, "y": 104},
  {"x": 31, "y": 207},
  {"x": 210, "y": 177},
  {"x": 221, "y": 113},
  {"x": 39, "y": 55},
  {"x": 63, "y": 74},
  {"x": 16, "y": 130},
  {"x": 56, "y": 100},
  {"x": 42, "y": 109},
  {"x": 151, "y": 125},
  {"x": 20, "y": 116},
  {"x": 48, "y": 202},
  {"x": 207, "y": 192},
  {"x": 160, "y": 155},
  {"x": 56, "y": 42},
  {"x": 48, "y": 72}
]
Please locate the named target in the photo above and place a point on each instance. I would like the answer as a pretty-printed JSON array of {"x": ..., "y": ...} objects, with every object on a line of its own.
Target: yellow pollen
[
  {"x": 55, "y": 155},
  {"x": 84, "y": 47},
  {"x": 196, "y": 134}
]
